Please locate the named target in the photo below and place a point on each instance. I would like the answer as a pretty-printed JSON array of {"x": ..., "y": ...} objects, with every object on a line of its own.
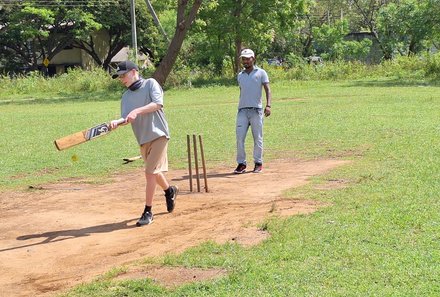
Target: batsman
[{"x": 142, "y": 107}]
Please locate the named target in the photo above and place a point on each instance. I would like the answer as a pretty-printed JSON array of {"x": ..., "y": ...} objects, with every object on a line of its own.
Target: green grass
[{"x": 380, "y": 237}]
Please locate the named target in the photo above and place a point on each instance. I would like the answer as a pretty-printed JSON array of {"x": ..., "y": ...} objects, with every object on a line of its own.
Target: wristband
[{"x": 268, "y": 106}]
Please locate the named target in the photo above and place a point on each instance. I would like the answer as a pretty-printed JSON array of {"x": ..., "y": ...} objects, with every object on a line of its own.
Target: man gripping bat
[{"x": 142, "y": 107}]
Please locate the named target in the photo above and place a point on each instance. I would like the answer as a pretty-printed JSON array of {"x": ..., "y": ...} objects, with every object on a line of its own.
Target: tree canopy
[
  {"x": 29, "y": 33},
  {"x": 211, "y": 33}
]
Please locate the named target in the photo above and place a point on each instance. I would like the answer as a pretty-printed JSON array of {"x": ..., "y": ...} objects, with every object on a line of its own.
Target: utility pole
[
  {"x": 156, "y": 20},
  {"x": 133, "y": 30}
]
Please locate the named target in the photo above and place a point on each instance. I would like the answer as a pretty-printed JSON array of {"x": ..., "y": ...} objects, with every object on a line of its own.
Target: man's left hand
[{"x": 267, "y": 111}]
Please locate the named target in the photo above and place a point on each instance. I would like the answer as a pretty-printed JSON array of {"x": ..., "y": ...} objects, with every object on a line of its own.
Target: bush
[
  {"x": 78, "y": 81},
  {"x": 74, "y": 81},
  {"x": 432, "y": 66},
  {"x": 336, "y": 70},
  {"x": 23, "y": 84}
]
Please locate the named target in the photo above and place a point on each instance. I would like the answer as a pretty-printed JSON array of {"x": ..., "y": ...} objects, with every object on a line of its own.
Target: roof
[{"x": 123, "y": 54}]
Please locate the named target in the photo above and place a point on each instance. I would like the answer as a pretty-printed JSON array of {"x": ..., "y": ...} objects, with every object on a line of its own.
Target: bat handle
[{"x": 118, "y": 122}]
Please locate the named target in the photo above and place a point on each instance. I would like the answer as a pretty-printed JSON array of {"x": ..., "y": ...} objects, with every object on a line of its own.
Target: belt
[{"x": 250, "y": 108}]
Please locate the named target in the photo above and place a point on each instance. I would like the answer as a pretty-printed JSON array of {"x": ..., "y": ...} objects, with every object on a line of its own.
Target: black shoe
[
  {"x": 258, "y": 168},
  {"x": 171, "y": 198},
  {"x": 146, "y": 219},
  {"x": 241, "y": 168}
]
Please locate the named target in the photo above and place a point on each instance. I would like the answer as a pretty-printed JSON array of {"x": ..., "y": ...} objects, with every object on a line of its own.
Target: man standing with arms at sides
[
  {"x": 251, "y": 81},
  {"x": 141, "y": 106}
]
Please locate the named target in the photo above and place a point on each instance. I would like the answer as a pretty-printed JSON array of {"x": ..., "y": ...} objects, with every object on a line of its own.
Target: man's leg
[
  {"x": 170, "y": 191},
  {"x": 256, "y": 121},
  {"x": 150, "y": 188},
  {"x": 242, "y": 127},
  {"x": 155, "y": 159},
  {"x": 162, "y": 181},
  {"x": 147, "y": 215}
]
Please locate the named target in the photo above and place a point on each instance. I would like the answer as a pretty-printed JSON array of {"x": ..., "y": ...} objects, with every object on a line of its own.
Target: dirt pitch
[{"x": 60, "y": 235}]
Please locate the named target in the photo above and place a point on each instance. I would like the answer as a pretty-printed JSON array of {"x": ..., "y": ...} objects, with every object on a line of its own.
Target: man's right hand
[{"x": 115, "y": 123}]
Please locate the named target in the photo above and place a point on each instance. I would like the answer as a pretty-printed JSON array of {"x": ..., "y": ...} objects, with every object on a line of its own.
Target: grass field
[{"x": 380, "y": 237}]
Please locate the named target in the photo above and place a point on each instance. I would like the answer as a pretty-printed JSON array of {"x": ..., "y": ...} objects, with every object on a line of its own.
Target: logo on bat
[{"x": 97, "y": 131}]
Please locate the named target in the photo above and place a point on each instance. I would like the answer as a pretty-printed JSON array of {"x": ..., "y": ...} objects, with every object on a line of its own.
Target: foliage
[
  {"x": 330, "y": 43},
  {"x": 118, "y": 26},
  {"x": 186, "y": 14},
  {"x": 226, "y": 26},
  {"x": 30, "y": 32},
  {"x": 35, "y": 84},
  {"x": 434, "y": 12},
  {"x": 432, "y": 68},
  {"x": 37, "y": 30},
  {"x": 297, "y": 68},
  {"x": 405, "y": 27}
]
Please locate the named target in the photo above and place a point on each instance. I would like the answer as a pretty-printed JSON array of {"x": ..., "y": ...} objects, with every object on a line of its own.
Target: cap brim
[
  {"x": 116, "y": 75},
  {"x": 246, "y": 56}
]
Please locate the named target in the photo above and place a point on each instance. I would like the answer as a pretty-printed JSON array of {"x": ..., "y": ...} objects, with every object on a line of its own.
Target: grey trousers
[{"x": 252, "y": 117}]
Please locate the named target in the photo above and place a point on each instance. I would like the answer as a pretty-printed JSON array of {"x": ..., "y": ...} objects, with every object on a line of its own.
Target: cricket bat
[
  {"x": 85, "y": 135},
  {"x": 128, "y": 160}
]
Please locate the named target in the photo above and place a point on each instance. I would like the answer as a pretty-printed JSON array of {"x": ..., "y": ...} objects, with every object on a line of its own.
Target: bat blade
[
  {"x": 83, "y": 136},
  {"x": 70, "y": 140},
  {"x": 132, "y": 159}
]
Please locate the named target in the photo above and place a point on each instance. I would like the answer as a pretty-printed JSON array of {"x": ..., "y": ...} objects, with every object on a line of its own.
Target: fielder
[{"x": 251, "y": 80}]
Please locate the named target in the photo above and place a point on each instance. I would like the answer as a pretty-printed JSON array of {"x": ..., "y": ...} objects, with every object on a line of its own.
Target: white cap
[{"x": 247, "y": 53}]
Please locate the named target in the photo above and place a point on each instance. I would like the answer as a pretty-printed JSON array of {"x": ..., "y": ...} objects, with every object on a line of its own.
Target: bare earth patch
[
  {"x": 172, "y": 276},
  {"x": 56, "y": 236},
  {"x": 250, "y": 236},
  {"x": 333, "y": 184}
]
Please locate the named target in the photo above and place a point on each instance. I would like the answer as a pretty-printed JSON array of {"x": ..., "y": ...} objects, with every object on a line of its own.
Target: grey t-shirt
[
  {"x": 149, "y": 126},
  {"x": 251, "y": 87}
]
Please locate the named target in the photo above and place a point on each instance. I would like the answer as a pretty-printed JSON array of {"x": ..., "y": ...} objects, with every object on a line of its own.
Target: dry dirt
[{"x": 60, "y": 235}]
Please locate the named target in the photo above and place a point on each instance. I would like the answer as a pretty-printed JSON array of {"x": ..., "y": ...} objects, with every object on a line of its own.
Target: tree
[
  {"x": 37, "y": 30},
  {"x": 227, "y": 26},
  {"x": 367, "y": 12},
  {"x": 118, "y": 27},
  {"x": 330, "y": 43},
  {"x": 186, "y": 14},
  {"x": 31, "y": 33},
  {"x": 404, "y": 28},
  {"x": 434, "y": 12},
  {"x": 322, "y": 12}
]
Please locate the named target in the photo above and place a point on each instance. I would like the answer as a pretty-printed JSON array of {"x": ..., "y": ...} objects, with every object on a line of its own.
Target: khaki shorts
[{"x": 154, "y": 154}]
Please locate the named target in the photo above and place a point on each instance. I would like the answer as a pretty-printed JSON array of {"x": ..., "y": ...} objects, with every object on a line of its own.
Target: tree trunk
[
  {"x": 238, "y": 47},
  {"x": 412, "y": 48},
  {"x": 238, "y": 40},
  {"x": 386, "y": 54},
  {"x": 369, "y": 20},
  {"x": 183, "y": 24},
  {"x": 307, "y": 49}
]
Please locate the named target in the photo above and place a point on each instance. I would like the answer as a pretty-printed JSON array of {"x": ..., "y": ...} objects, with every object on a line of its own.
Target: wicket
[{"x": 196, "y": 162}]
